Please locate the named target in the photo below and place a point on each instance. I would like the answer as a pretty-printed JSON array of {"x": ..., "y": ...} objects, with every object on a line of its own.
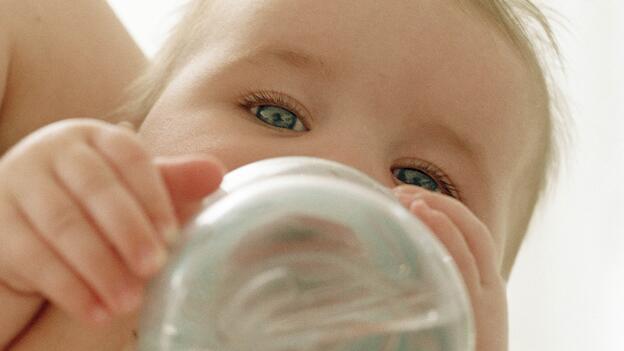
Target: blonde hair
[
  {"x": 528, "y": 28},
  {"x": 521, "y": 21}
]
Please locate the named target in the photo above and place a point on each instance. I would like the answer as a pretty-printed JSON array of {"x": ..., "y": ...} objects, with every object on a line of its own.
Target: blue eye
[
  {"x": 416, "y": 177},
  {"x": 278, "y": 117}
]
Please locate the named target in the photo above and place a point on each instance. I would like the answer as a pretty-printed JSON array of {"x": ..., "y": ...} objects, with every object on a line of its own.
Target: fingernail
[
  {"x": 171, "y": 235},
  {"x": 419, "y": 203},
  {"x": 405, "y": 189},
  {"x": 127, "y": 125},
  {"x": 152, "y": 260},
  {"x": 405, "y": 199}
]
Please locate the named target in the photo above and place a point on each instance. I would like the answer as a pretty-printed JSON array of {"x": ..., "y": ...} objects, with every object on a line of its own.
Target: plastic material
[{"x": 306, "y": 254}]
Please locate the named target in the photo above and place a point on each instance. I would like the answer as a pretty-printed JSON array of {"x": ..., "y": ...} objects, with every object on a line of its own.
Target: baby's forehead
[
  {"x": 421, "y": 58},
  {"x": 396, "y": 38},
  {"x": 441, "y": 64},
  {"x": 437, "y": 72}
]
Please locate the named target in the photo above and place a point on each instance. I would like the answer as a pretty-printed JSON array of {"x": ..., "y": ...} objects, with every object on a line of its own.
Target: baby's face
[{"x": 407, "y": 91}]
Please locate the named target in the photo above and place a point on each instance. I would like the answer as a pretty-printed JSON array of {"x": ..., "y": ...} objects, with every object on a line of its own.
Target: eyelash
[
  {"x": 251, "y": 99},
  {"x": 440, "y": 177}
]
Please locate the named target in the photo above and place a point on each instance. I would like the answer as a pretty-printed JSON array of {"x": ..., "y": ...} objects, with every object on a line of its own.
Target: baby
[{"x": 442, "y": 100}]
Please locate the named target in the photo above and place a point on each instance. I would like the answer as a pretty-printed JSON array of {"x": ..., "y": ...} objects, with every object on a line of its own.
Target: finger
[
  {"x": 17, "y": 303},
  {"x": 477, "y": 235},
  {"x": 114, "y": 212},
  {"x": 189, "y": 179},
  {"x": 41, "y": 271},
  {"x": 143, "y": 180},
  {"x": 61, "y": 224},
  {"x": 452, "y": 239},
  {"x": 127, "y": 125}
]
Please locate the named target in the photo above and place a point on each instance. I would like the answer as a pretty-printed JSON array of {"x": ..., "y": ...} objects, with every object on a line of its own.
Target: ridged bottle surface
[{"x": 303, "y": 254}]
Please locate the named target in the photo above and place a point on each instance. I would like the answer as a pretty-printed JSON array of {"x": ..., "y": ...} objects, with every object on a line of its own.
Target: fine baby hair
[
  {"x": 447, "y": 107},
  {"x": 521, "y": 22}
]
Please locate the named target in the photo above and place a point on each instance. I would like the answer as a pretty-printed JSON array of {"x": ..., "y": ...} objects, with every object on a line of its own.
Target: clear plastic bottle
[{"x": 304, "y": 254}]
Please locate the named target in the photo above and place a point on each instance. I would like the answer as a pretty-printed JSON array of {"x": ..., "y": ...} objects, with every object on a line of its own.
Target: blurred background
[{"x": 567, "y": 289}]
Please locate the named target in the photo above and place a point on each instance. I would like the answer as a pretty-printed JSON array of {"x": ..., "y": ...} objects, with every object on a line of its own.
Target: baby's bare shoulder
[{"x": 60, "y": 59}]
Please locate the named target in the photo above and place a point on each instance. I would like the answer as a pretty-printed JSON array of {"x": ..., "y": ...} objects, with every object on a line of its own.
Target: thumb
[{"x": 189, "y": 179}]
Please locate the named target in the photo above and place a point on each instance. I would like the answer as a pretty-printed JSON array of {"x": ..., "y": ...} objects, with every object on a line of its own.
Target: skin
[
  {"x": 61, "y": 59},
  {"x": 381, "y": 97},
  {"x": 381, "y": 101}
]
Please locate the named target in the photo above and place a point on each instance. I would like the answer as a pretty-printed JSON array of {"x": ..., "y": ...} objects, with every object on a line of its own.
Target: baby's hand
[
  {"x": 87, "y": 216},
  {"x": 471, "y": 245}
]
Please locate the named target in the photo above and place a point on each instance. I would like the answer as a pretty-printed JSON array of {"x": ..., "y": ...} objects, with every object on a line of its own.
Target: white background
[{"x": 567, "y": 288}]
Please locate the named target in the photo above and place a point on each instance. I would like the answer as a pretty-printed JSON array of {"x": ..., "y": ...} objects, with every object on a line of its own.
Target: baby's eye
[
  {"x": 276, "y": 109},
  {"x": 278, "y": 117},
  {"x": 437, "y": 182},
  {"x": 416, "y": 177}
]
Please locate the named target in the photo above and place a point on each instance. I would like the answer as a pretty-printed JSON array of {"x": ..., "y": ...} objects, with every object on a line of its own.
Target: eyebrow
[
  {"x": 297, "y": 59},
  {"x": 313, "y": 64},
  {"x": 465, "y": 145}
]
